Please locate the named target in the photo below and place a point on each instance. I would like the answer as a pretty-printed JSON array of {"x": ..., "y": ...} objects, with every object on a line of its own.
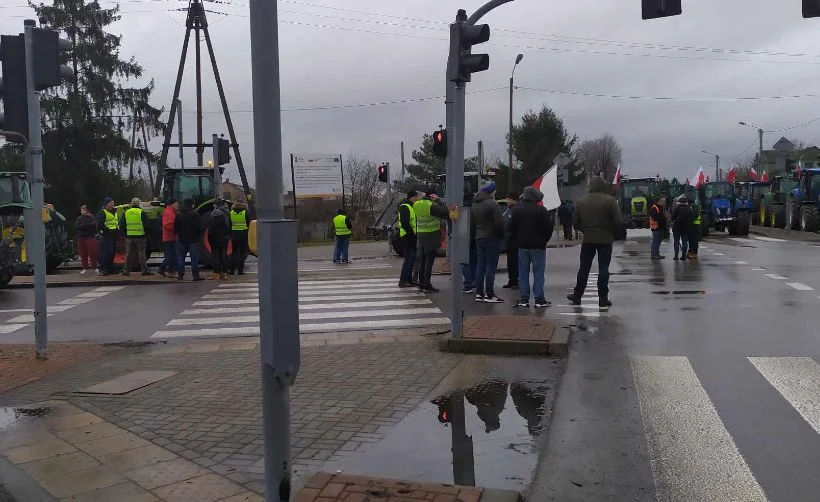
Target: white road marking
[
  {"x": 340, "y": 282},
  {"x": 799, "y": 286},
  {"x": 313, "y": 297},
  {"x": 718, "y": 254},
  {"x": 76, "y": 301},
  {"x": 15, "y": 311},
  {"x": 308, "y": 316},
  {"x": 93, "y": 294},
  {"x": 309, "y": 328},
  {"x": 767, "y": 239},
  {"x": 693, "y": 456},
  {"x": 591, "y": 313},
  {"x": 8, "y": 328},
  {"x": 758, "y": 269},
  {"x": 26, "y": 318},
  {"x": 741, "y": 262},
  {"x": 777, "y": 277},
  {"x": 351, "y": 305},
  {"x": 797, "y": 380},
  {"x": 110, "y": 289}
]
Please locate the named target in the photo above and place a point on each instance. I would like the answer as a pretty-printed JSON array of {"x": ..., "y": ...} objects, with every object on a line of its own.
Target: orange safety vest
[{"x": 653, "y": 223}]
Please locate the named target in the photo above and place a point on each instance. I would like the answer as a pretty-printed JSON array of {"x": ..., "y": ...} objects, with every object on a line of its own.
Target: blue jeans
[
  {"x": 171, "y": 261},
  {"x": 341, "y": 247},
  {"x": 468, "y": 270},
  {"x": 409, "y": 260},
  {"x": 655, "y": 247},
  {"x": 184, "y": 249},
  {"x": 537, "y": 259},
  {"x": 488, "y": 250}
]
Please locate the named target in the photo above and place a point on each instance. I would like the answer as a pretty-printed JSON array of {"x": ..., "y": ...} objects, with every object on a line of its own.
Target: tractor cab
[
  {"x": 748, "y": 194},
  {"x": 809, "y": 187},
  {"x": 635, "y": 195},
  {"x": 196, "y": 184},
  {"x": 14, "y": 190}
]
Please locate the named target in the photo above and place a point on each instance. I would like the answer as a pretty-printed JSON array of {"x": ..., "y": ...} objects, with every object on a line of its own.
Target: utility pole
[
  {"x": 760, "y": 154},
  {"x": 480, "y": 159},
  {"x": 509, "y": 135},
  {"x": 402, "y": 161},
  {"x": 717, "y": 167}
]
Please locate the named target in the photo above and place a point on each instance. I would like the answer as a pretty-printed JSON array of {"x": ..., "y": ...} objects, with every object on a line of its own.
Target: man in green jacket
[{"x": 598, "y": 217}]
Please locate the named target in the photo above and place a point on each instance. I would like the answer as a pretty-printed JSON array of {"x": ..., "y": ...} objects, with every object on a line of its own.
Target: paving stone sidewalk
[
  {"x": 346, "y": 398},
  {"x": 19, "y": 365}
]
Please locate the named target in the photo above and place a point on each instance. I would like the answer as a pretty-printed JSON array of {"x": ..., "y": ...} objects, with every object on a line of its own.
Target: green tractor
[
  {"x": 635, "y": 197},
  {"x": 15, "y": 199},
  {"x": 773, "y": 204}
]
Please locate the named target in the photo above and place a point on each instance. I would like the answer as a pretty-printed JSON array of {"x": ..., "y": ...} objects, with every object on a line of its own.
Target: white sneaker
[{"x": 83, "y": 272}]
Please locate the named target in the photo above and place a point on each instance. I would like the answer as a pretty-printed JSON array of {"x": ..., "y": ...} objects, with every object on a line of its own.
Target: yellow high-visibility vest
[
  {"x": 340, "y": 226},
  {"x": 239, "y": 220},
  {"x": 110, "y": 220},
  {"x": 425, "y": 222},
  {"x": 133, "y": 223},
  {"x": 402, "y": 230}
]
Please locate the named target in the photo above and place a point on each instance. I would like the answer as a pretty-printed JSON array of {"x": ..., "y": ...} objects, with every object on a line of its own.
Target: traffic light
[
  {"x": 811, "y": 8},
  {"x": 440, "y": 143},
  {"x": 223, "y": 151},
  {"x": 463, "y": 63},
  {"x": 445, "y": 415},
  {"x": 653, "y": 9},
  {"x": 13, "y": 85},
  {"x": 384, "y": 173},
  {"x": 46, "y": 48}
]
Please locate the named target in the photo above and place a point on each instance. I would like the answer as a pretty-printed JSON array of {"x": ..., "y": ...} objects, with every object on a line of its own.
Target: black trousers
[
  {"x": 239, "y": 242},
  {"x": 220, "y": 258},
  {"x": 426, "y": 261},
  {"x": 588, "y": 252},
  {"x": 512, "y": 265}
]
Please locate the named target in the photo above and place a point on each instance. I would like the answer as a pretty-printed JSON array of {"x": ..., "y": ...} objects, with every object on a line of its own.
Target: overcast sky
[{"x": 349, "y": 52}]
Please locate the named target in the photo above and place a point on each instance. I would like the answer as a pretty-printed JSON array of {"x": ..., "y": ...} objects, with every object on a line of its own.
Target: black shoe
[
  {"x": 510, "y": 286},
  {"x": 147, "y": 272},
  {"x": 523, "y": 303},
  {"x": 240, "y": 273},
  {"x": 405, "y": 285},
  {"x": 574, "y": 299},
  {"x": 604, "y": 303},
  {"x": 468, "y": 291},
  {"x": 429, "y": 289},
  {"x": 180, "y": 277},
  {"x": 479, "y": 297},
  {"x": 675, "y": 258},
  {"x": 683, "y": 258},
  {"x": 198, "y": 278},
  {"x": 542, "y": 304},
  {"x": 493, "y": 299}
]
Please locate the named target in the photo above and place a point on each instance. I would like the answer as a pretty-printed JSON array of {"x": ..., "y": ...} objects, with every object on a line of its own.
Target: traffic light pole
[
  {"x": 458, "y": 241},
  {"x": 35, "y": 230},
  {"x": 278, "y": 280}
]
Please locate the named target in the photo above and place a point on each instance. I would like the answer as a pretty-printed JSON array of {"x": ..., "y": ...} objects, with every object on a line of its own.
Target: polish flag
[
  {"x": 765, "y": 177},
  {"x": 753, "y": 174},
  {"x": 548, "y": 185},
  {"x": 799, "y": 169},
  {"x": 732, "y": 175},
  {"x": 617, "y": 179},
  {"x": 700, "y": 178}
]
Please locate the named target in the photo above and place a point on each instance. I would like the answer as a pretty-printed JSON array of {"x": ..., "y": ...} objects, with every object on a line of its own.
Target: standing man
[
  {"x": 565, "y": 218},
  {"x": 169, "y": 239},
  {"x": 657, "y": 223},
  {"x": 133, "y": 223},
  {"x": 429, "y": 211},
  {"x": 407, "y": 234},
  {"x": 343, "y": 229},
  {"x": 694, "y": 229},
  {"x": 240, "y": 220},
  {"x": 512, "y": 249},
  {"x": 219, "y": 231},
  {"x": 188, "y": 228},
  {"x": 110, "y": 230},
  {"x": 531, "y": 228},
  {"x": 681, "y": 221},
  {"x": 489, "y": 230},
  {"x": 597, "y": 216}
]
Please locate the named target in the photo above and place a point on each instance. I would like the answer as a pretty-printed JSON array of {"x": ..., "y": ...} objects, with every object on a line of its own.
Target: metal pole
[
  {"x": 509, "y": 138},
  {"x": 278, "y": 280},
  {"x": 169, "y": 129},
  {"x": 455, "y": 198},
  {"x": 717, "y": 167},
  {"x": 480, "y": 159},
  {"x": 760, "y": 155},
  {"x": 179, "y": 129},
  {"x": 198, "y": 72},
  {"x": 217, "y": 174},
  {"x": 402, "y": 161},
  {"x": 35, "y": 231}
]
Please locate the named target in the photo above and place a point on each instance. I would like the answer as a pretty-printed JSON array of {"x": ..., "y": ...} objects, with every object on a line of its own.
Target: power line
[
  {"x": 745, "y": 150},
  {"x": 670, "y": 98}
]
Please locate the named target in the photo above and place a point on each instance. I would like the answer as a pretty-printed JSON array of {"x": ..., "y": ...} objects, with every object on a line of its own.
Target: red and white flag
[
  {"x": 753, "y": 174},
  {"x": 799, "y": 169},
  {"x": 617, "y": 179},
  {"x": 548, "y": 185},
  {"x": 732, "y": 175},
  {"x": 700, "y": 178},
  {"x": 765, "y": 177}
]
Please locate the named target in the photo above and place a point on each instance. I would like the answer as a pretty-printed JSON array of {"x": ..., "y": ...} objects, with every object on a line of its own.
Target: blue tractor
[
  {"x": 721, "y": 211},
  {"x": 803, "y": 202}
]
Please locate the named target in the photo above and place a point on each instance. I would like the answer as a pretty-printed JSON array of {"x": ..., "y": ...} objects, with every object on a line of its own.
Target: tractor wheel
[
  {"x": 809, "y": 219},
  {"x": 732, "y": 227},
  {"x": 792, "y": 215},
  {"x": 204, "y": 248},
  {"x": 744, "y": 221},
  {"x": 778, "y": 216},
  {"x": 763, "y": 217},
  {"x": 704, "y": 226}
]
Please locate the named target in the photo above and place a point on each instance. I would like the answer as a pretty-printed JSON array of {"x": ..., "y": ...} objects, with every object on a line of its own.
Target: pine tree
[{"x": 88, "y": 121}]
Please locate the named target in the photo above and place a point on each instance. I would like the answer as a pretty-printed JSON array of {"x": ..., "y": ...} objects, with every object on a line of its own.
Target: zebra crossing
[
  {"x": 589, "y": 302},
  {"x": 679, "y": 418},
  {"x": 26, "y": 316},
  {"x": 325, "y": 306}
]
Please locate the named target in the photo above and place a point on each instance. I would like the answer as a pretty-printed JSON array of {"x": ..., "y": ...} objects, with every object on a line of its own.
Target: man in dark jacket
[
  {"x": 219, "y": 233},
  {"x": 597, "y": 216},
  {"x": 657, "y": 223},
  {"x": 681, "y": 221},
  {"x": 109, "y": 227},
  {"x": 489, "y": 230},
  {"x": 531, "y": 228},
  {"x": 188, "y": 228},
  {"x": 510, "y": 246},
  {"x": 565, "y": 218},
  {"x": 407, "y": 233}
]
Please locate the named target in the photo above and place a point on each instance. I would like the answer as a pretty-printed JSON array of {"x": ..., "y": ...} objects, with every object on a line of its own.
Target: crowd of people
[
  {"x": 182, "y": 230},
  {"x": 684, "y": 219}
]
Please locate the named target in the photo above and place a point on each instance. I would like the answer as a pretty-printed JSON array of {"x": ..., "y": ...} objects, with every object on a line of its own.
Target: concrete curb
[
  {"x": 496, "y": 495},
  {"x": 791, "y": 235},
  {"x": 21, "y": 487},
  {"x": 558, "y": 346}
]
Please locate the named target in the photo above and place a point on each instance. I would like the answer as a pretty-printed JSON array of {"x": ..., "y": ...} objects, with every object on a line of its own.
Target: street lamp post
[
  {"x": 509, "y": 137},
  {"x": 760, "y": 136},
  {"x": 717, "y": 164}
]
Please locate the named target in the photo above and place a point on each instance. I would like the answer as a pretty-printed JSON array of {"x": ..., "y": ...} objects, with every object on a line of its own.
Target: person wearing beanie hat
[
  {"x": 134, "y": 225},
  {"x": 406, "y": 225},
  {"x": 531, "y": 228},
  {"x": 108, "y": 226},
  {"x": 486, "y": 217},
  {"x": 509, "y": 244},
  {"x": 430, "y": 211}
]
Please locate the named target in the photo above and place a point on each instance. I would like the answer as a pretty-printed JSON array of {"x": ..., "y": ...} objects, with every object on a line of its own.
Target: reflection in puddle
[
  {"x": 483, "y": 435},
  {"x": 13, "y": 416}
]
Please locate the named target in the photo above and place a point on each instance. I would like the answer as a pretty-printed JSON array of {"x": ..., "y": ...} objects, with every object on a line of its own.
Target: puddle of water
[
  {"x": 481, "y": 436},
  {"x": 13, "y": 416},
  {"x": 679, "y": 292}
]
